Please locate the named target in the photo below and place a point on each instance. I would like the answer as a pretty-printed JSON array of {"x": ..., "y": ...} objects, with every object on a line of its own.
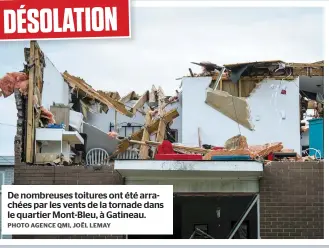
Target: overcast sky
[{"x": 164, "y": 42}]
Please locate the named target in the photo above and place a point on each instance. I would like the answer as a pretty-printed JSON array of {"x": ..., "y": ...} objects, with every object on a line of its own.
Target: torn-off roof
[
  {"x": 273, "y": 62},
  {"x": 80, "y": 85},
  {"x": 272, "y": 68}
]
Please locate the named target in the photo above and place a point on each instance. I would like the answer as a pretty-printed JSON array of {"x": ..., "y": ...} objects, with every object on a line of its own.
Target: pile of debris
[{"x": 235, "y": 148}]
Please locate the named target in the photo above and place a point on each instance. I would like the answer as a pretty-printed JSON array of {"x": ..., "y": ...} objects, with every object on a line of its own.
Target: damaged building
[{"x": 242, "y": 144}]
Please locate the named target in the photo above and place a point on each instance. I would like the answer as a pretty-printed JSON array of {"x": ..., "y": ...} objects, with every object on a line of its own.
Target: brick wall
[
  {"x": 291, "y": 198},
  {"x": 68, "y": 175}
]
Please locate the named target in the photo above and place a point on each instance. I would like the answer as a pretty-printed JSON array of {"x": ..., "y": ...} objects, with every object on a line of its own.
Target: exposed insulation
[{"x": 12, "y": 81}]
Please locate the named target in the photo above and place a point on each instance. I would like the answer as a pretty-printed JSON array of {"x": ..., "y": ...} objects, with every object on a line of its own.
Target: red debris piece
[
  {"x": 165, "y": 148},
  {"x": 166, "y": 152},
  {"x": 178, "y": 157}
]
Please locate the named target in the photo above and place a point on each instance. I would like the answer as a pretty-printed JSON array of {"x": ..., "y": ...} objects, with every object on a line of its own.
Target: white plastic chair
[
  {"x": 97, "y": 156},
  {"x": 130, "y": 153}
]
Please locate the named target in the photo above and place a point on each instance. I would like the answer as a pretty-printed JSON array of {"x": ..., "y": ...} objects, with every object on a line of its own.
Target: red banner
[{"x": 36, "y": 19}]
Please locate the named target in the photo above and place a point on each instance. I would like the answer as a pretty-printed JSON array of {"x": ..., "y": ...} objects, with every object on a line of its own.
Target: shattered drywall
[{"x": 273, "y": 115}]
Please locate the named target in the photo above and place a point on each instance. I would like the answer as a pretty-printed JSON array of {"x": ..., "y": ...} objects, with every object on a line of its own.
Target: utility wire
[
  {"x": 4, "y": 158},
  {"x": 9, "y": 125}
]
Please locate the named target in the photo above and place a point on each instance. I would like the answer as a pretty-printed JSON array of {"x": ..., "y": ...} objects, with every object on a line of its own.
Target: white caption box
[{"x": 48, "y": 209}]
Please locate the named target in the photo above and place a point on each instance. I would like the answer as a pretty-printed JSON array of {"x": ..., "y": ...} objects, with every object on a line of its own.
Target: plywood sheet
[
  {"x": 61, "y": 115},
  {"x": 236, "y": 108}
]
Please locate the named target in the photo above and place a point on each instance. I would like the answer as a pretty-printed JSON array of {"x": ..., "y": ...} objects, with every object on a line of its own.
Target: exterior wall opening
[{"x": 216, "y": 215}]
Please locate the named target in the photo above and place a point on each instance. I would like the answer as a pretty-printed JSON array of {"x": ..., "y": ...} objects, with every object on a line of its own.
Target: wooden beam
[
  {"x": 128, "y": 97},
  {"x": 161, "y": 93},
  {"x": 122, "y": 147},
  {"x": 240, "y": 88},
  {"x": 76, "y": 82},
  {"x": 30, "y": 109},
  {"x": 308, "y": 71},
  {"x": 303, "y": 65},
  {"x": 161, "y": 131},
  {"x": 144, "y": 149},
  {"x": 226, "y": 79},
  {"x": 162, "y": 124},
  {"x": 141, "y": 101},
  {"x": 153, "y": 127},
  {"x": 152, "y": 96},
  {"x": 221, "y": 84}
]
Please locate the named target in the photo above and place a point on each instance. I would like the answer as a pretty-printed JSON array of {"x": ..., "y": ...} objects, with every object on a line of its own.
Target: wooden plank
[
  {"x": 152, "y": 96},
  {"x": 226, "y": 78},
  {"x": 61, "y": 115},
  {"x": 122, "y": 147},
  {"x": 231, "y": 88},
  {"x": 30, "y": 109},
  {"x": 153, "y": 127},
  {"x": 247, "y": 86},
  {"x": 144, "y": 149},
  {"x": 303, "y": 65},
  {"x": 161, "y": 131},
  {"x": 140, "y": 103},
  {"x": 39, "y": 78},
  {"x": 38, "y": 86},
  {"x": 240, "y": 88},
  {"x": 309, "y": 71},
  {"x": 128, "y": 97},
  {"x": 80, "y": 84},
  {"x": 161, "y": 93},
  {"x": 162, "y": 124}
]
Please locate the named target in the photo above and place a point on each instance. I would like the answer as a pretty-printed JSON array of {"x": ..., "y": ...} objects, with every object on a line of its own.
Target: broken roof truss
[{"x": 113, "y": 99}]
